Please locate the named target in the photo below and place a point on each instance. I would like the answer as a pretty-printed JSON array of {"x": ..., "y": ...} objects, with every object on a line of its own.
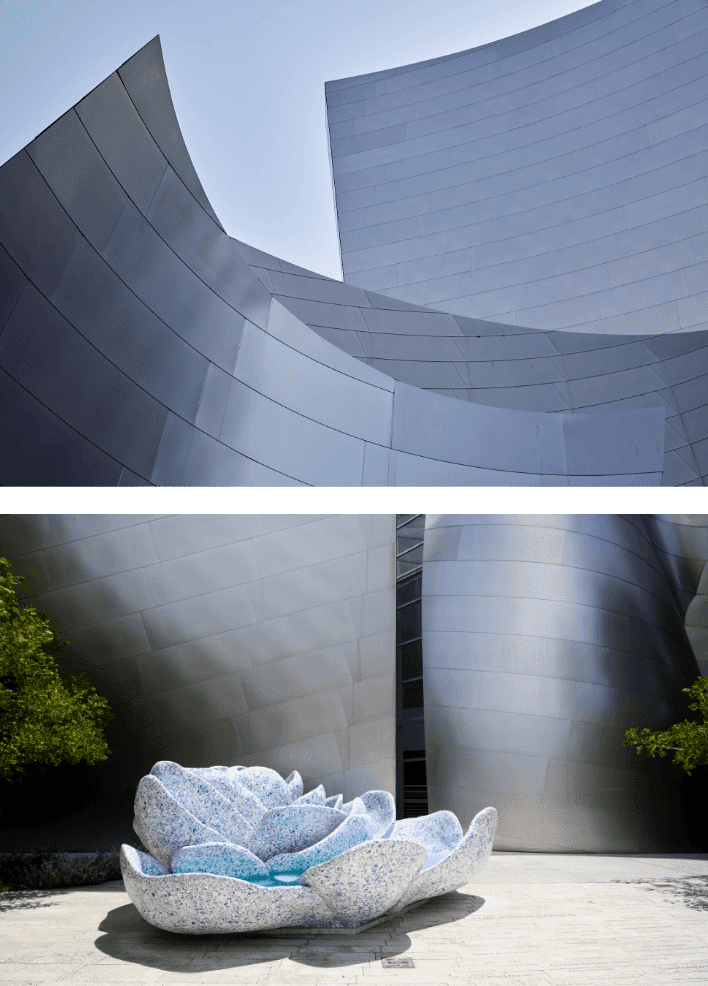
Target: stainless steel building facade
[
  {"x": 544, "y": 639},
  {"x": 264, "y": 640},
  {"x": 272, "y": 640},
  {"x": 554, "y": 182}
]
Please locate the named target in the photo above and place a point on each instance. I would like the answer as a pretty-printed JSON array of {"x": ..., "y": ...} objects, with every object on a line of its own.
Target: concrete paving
[{"x": 527, "y": 920}]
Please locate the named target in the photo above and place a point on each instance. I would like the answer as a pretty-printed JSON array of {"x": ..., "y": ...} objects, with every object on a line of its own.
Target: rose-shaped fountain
[{"x": 241, "y": 849}]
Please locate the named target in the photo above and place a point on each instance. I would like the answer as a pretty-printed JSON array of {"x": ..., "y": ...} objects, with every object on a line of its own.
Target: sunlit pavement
[{"x": 528, "y": 920}]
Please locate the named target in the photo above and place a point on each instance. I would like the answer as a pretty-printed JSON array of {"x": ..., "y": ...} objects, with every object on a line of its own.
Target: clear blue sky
[{"x": 247, "y": 79}]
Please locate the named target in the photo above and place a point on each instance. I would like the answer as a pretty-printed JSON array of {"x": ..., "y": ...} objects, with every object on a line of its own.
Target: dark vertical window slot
[{"x": 411, "y": 778}]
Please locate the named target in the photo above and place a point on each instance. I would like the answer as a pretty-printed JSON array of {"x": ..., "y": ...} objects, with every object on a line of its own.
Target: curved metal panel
[
  {"x": 44, "y": 353},
  {"x": 544, "y": 639},
  {"x": 141, "y": 75},
  {"x": 71, "y": 165},
  {"x": 123, "y": 140},
  {"x": 60, "y": 455}
]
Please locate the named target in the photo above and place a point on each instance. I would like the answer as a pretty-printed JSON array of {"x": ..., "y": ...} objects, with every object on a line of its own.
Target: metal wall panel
[
  {"x": 13, "y": 284},
  {"x": 41, "y": 248},
  {"x": 60, "y": 455},
  {"x": 539, "y": 657},
  {"x": 44, "y": 353},
  {"x": 109, "y": 315},
  {"x": 154, "y": 105},
  {"x": 123, "y": 140},
  {"x": 74, "y": 170},
  {"x": 141, "y": 258}
]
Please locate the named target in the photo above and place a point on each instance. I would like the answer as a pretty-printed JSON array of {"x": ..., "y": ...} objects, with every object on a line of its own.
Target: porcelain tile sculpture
[{"x": 242, "y": 849}]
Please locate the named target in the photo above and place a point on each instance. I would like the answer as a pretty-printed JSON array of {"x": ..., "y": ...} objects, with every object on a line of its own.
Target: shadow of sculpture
[{"x": 129, "y": 938}]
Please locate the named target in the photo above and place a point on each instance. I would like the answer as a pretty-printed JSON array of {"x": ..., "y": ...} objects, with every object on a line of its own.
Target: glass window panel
[
  {"x": 402, "y": 519},
  {"x": 408, "y": 623},
  {"x": 411, "y": 660},
  {"x": 413, "y": 694},
  {"x": 404, "y": 567},
  {"x": 414, "y": 773},
  {"x": 409, "y": 589}
]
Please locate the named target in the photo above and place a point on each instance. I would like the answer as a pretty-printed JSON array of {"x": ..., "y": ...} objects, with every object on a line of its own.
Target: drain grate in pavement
[{"x": 398, "y": 963}]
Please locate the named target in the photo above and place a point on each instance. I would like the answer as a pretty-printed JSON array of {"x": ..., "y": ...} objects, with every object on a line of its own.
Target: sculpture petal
[
  {"x": 242, "y": 799},
  {"x": 456, "y": 868},
  {"x": 203, "y": 903},
  {"x": 381, "y": 808},
  {"x": 439, "y": 832},
  {"x": 203, "y": 801},
  {"x": 364, "y": 882},
  {"x": 316, "y": 796},
  {"x": 354, "y": 807},
  {"x": 219, "y": 858},
  {"x": 268, "y": 786},
  {"x": 150, "y": 865},
  {"x": 292, "y": 828},
  {"x": 352, "y": 831},
  {"x": 164, "y": 824},
  {"x": 138, "y": 829},
  {"x": 294, "y": 782}
]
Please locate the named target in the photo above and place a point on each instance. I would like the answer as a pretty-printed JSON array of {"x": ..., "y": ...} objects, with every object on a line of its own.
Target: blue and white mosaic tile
[
  {"x": 315, "y": 797},
  {"x": 292, "y": 828},
  {"x": 203, "y": 800},
  {"x": 241, "y": 849},
  {"x": 164, "y": 824},
  {"x": 354, "y": 807},
  {"x": 242, "y": 798},
  {"x": 268, "y": 786},
  {"x": 381, "y": 809},
  {"x": 221, "y": 859},
  {"x": 456, "y": 866},
  {"x": 352, "y": 831},
  {"x": 366, "y": 881},
  {"x": 439, "y": 832},
  {"x": 294, "y": 783},
  {"x": 151, "y": 866},
  {"x": 203, "y": 903}
]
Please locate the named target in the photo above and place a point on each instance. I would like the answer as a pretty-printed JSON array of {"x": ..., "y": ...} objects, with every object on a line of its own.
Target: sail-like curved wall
[
  {"x": 557, "y": 180},
  {"x": 554, "y": 179},
  {"x": 264, "y": 640},
  {"x": 138, "y": 346},
  {"x": 544, "y": 640},
  {"x": 510, "y": 366}
]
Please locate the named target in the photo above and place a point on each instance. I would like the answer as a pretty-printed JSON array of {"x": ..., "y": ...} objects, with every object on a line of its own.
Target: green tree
[
  {"x": 45, "y": 717},
  {"x": 689, "y": 739}
]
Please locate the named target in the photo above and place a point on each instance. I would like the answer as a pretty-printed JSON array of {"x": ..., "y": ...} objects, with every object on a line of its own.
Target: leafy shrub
[
  {"x": 44, "y": 870},
  {"x": 45, "y": 717},
  {"x": 687, "y": 739}
]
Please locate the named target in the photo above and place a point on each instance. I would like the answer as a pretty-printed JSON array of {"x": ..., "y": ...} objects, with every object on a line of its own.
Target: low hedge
[{"x": 46, "y": 870}]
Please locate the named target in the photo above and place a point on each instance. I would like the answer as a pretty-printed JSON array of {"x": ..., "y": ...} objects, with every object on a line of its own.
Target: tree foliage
[
  {"x": 45, "y": 717},
  {"x": 688, "y": 739}
]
